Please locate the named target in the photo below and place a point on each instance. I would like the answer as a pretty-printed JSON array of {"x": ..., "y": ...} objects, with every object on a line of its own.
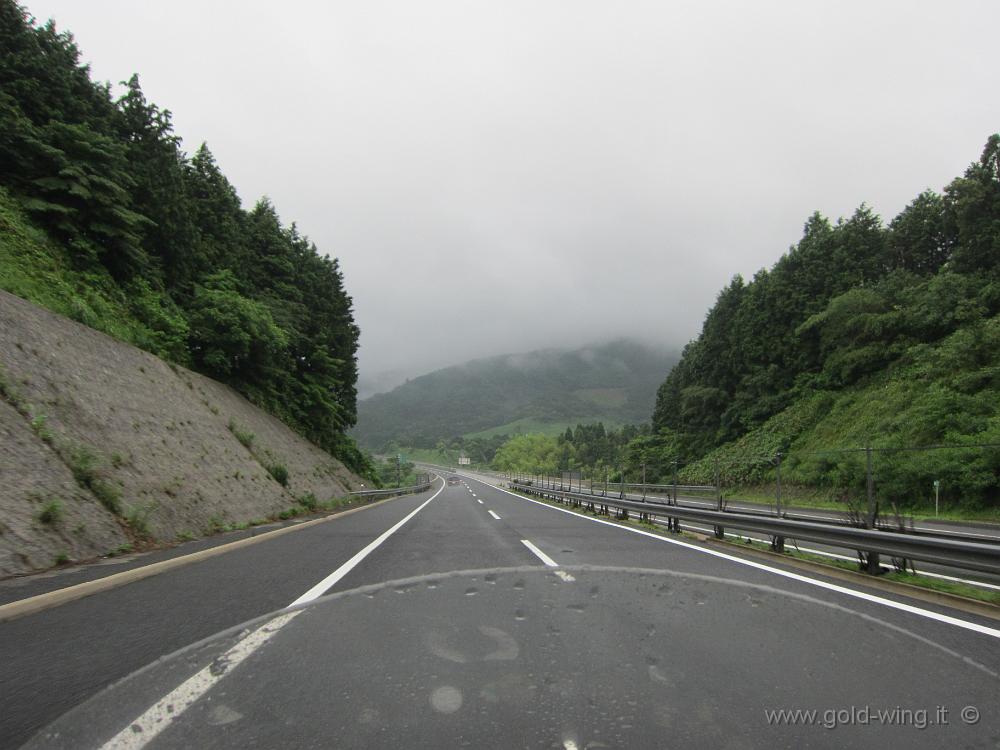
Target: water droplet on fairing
[{"x": 446, "y": 699}]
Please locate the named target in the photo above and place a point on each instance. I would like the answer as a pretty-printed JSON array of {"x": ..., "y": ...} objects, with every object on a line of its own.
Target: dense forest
[
  {"x": 106, "y": 219},
  {"x": 860, "y": 335}
]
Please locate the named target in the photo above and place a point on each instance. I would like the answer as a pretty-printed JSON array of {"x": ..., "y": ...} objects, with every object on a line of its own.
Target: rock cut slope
[{"x": 102, "y": 443}]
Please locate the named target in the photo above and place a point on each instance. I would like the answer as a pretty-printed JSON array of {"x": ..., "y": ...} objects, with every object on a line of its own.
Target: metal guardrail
[
  {"x": 666, "y": 488},
  {"x": 622, "y": 489},
  {"x": 761, "y": 509},
  {"x": 389, "y": 492},
  {"x": 658, "y": 489},
  {"x": 956, "y": 553}
]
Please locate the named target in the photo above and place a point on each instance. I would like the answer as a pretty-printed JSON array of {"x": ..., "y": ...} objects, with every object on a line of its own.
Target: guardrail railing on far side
[
  {"x": 956, "y": 553},
  {"x": 391, "y": 491}
]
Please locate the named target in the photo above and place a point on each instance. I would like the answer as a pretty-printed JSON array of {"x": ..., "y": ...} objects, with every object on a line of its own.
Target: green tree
[
  {"x": 219, "y": 221},
  {"x": 972, "y": 210},
  {"x": 918, "y": 239},
  {"x": 233, "y": 337},
  {"x": 157, "y": 167},
  {"x": 536, "y": 454}
]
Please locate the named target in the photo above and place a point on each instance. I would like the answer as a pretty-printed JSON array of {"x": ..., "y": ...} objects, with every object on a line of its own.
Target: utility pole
[
  {"x": 720, "y": 532},
  {"x": 777, "y": 483},
  {"x": 873, "y": 558},
  {"x": 675, "y": 521}
]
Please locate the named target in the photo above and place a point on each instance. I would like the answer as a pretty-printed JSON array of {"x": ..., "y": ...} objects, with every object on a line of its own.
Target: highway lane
[
  {"x": 453, "y": 533},
  {"x": 729, "y": 613},
  {"x": 55, "y": 659},
  {"x": 572, "y": 539},
  {"x": 534, "y": 656},
  {"x": 985, "y": 531}
]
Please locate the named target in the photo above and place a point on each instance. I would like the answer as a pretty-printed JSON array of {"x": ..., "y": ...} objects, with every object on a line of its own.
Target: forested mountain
[
  {"x": 614, "y": 382},
  {"x": 862, "y": 334},
  {"x": 106, "y": 219}
]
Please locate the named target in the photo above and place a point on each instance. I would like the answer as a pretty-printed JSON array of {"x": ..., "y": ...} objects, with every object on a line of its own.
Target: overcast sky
[{"x": 506, "y": 175}]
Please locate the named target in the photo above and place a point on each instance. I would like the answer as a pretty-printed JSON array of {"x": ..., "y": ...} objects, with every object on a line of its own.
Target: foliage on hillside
[
  {"x": 861, "y": 335},
  {"x": 107, "y": 220},
  {"x": 591, "y": 448},
  {"x": 544, "y": 386}
]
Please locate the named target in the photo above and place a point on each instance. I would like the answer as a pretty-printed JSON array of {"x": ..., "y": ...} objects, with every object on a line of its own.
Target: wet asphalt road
[{"x": 539, "y": 656}]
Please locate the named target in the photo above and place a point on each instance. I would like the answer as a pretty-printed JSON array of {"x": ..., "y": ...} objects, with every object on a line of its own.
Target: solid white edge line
[
  {"x": 320, "y": 588},
  {"x": 493, "y": 514},
  {"x": 799, "y": 548},
  {"x": 162, "y": 713},
  {"x": 947, "y": 619},
  {"x": 539, "y": 554},
  {"x": 145, "y": 728}
]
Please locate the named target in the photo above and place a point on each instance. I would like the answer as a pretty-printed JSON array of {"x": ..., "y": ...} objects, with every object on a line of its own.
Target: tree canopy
[{"x": 231, "y": 292}]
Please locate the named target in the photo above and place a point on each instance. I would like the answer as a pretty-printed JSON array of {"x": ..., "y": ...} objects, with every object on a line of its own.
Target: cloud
[{"x": 504, "y": 176}]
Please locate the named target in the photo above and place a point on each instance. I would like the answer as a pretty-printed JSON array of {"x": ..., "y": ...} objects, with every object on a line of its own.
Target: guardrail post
[
  {"x": 720, "y": 532},
  {"x": 622, "y": 512},
  {"x": 777, "y": 542}
]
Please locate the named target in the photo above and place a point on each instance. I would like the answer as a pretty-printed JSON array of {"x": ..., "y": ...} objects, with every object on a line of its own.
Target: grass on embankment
[
  {"x": 808, "y": 498},
  {"x": 936, "y": 419},
  {"x": 35, "y": 268}
]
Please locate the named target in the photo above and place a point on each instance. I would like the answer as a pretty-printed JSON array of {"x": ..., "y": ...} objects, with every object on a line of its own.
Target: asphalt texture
[
  {"x": 684, "y": 646},
  {"x": 55, "y": 659}
]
